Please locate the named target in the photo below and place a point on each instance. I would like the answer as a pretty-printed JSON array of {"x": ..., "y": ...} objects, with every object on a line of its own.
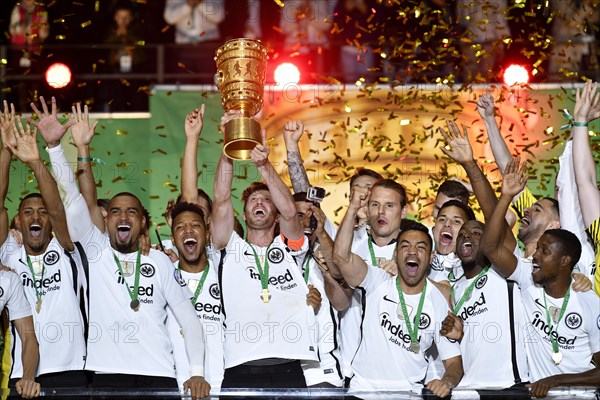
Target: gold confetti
[
  {"x": 121, "y": 132},
  {"x": 86, "y": 23}
]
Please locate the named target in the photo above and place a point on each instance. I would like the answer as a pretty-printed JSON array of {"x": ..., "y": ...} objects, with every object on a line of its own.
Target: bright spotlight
[
  {"x": 287, "y": 73},
  {"x": 58, "y": 75},
  {"x": 516, "y": 74}
]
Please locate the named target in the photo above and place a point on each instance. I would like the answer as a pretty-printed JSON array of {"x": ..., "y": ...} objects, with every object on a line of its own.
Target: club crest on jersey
[
  {"x": 481, "y": 282},
  {"x": 598, "y": 321},
  {"x": 178, "y": 278},
  {"x": 51, "y": 257},
  {"x": 275, "y": 255},
  {"x": 214, "y": 291},
  {"x": 573, "y": 320},
  {"x": 147, "y": 270},
  {"x": 425, "y": 321}
]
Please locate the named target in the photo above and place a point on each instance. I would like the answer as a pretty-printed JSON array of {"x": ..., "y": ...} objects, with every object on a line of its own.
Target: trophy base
[{"x": 241, "y": 136}]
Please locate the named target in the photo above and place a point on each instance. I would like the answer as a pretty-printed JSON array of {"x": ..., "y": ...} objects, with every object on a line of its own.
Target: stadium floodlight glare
[
  {"x": 287, "y": 73},
  {"x": 58, "y": 75},
  {"x": 516, "y": 75}
]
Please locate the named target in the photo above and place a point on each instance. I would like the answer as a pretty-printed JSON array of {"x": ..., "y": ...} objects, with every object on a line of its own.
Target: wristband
[
  {"x": 90, "y": 160},
  {"x": 580, "y": 123}
]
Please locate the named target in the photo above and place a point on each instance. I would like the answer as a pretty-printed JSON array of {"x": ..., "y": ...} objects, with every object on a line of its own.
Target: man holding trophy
[{"x": 269, "y": 311}]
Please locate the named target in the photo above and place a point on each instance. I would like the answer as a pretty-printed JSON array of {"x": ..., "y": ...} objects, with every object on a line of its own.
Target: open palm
[{"x": 81, "y": 131}]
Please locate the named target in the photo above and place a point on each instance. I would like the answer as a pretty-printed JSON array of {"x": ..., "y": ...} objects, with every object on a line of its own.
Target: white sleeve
[
  {"x": 593, "y": 321},
  {"x": 178, "y": 299},
  {"x": 330, "y": 228},
  {"x": 8, "y": 248},
  {"x": 17, "y": 304},
  {"x": 177, "y": 10},
  {"x": 63, "y": 173},
  {"x": 522, "y": 273},
  {"x": 374, "y": 278}
]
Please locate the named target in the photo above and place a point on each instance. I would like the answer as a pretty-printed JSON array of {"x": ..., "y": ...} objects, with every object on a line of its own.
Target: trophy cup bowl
[{"x": 241, "y": 68}]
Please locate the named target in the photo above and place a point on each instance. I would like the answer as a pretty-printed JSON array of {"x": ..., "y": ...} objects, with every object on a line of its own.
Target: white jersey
[
  {"x": 328, "y": 368},
  {"x": 445, "y": 267},
  {"x": 351, "y": 318},
  {"x": 12, "y": 296},
  {"x": 282, "y": 328},
  {"x": 208, "y": 309},
  {"x": 60, "y": 326},
  {"x": 384, "y": 360},
  {"x": 577, "y": 333},
  {"x": 493, "y": 332},
  {"x": 121, "y": 340},
  {"x": 571, "y": 217}
]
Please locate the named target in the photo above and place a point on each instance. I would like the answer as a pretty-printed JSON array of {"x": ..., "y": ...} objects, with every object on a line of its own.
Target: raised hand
[
  {"x": 22, "y": 142},
  {"x": 194, "y": 122},
  {"x": 7, "y": 119},
  {"x": 359, "y": 197},
  {"x": 485, "y": 106},
  {"x": 292, "y": 132},
  {"x": 260, "y": 154},
  {"x": 81, "y": 131},
  {"x": 587, "y": 103},
  {"x": 228, "y": 116},
  {"x": 515, "y": 178},
  {"x": 460, "y": 148},
  {"x": 50, "y": 129}
]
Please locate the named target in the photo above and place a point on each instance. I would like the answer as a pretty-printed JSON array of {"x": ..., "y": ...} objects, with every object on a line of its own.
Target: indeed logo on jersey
[
  {"x": 397, "y": 331},
  {"x": 147, "y": 291},
  {"x": 539, "y": 322},
  {"x": 478, "y": 307},
  {"x": 285, "y": 280},
  {"x": 47, "y": 284}
]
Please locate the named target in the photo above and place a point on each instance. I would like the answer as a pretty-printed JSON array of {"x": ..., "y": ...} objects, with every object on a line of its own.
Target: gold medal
[
  {"x": 265, "y": 296},
  {"x": 554, "y": 313},
  {"x": 557, "y": 357},
  {"x": 38, "y": 306}
]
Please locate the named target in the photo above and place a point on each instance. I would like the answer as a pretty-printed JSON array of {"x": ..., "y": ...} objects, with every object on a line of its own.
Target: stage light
[
  {"x": 516, "y": 74},
  {"x": 58, "y": 75},
  {"x": 287, "y": 73}
]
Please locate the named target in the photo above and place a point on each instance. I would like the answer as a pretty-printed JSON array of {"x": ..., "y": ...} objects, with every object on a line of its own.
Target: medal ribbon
[
  {"x": 262, "y": 273},
  {"x": 38, "y": 292},
  {"x": 372, "y": 252},
  {"x": 201, "y": 284},
  {"x": 413, "y": 333},
  {"x": 562, "y": 312},
  {"x": 136, "y": 283},
  {"x": 467, "y": 293}
]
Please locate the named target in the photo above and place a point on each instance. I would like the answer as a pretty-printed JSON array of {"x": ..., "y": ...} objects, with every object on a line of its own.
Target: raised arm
[
  {"x": 501, "y": 257},
  {"x": 26, "y": 149},
  {"x": 189, "y": 168},
  {"x": 353, "y": 268},
  {"x": 587, "y": 109},
  {"x": 52, "y": 131},
  {"x": 462, "y": 152},
  {"x": 281, "y": 196},
  {"x": 6, "y": 125},
  {"x": 338, "y": 294},
  {"x": 485, "y": 107},
  {"x": 222, "y": 210},
  {"x": 82, "y": 134},
  {"x": 292, "y": 132}
]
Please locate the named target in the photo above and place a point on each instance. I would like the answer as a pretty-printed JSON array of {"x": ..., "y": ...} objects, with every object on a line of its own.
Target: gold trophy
[{"x": 240, "y": 77}]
